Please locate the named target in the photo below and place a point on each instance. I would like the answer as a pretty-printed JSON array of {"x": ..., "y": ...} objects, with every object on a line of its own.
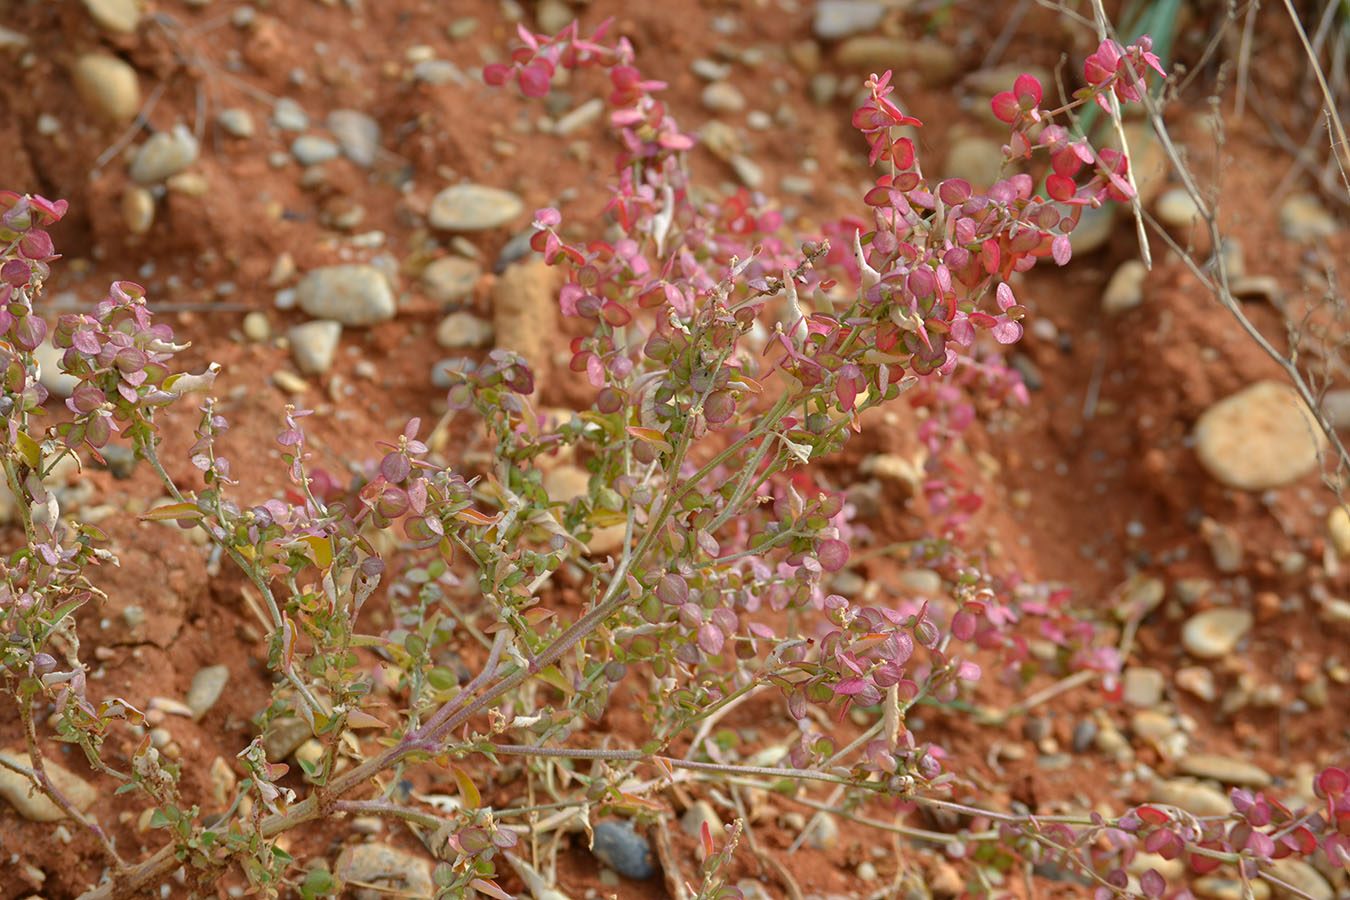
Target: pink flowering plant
[{"x": 725, "y": 358}]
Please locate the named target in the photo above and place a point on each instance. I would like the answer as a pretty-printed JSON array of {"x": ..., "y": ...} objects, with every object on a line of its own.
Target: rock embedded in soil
[
  {"x": 1142, "y": 686},
  {"x": 289, "y": 116},
  {"x": 1125, "y": 290},
  {"x": 256, "y": 327},
  {"x": 935, "y": 61},
  {"x": 357, "y": 134},
  {"x": 1219, "y": 887},
  {"x": 1094, "y": 229},
  {"x": 1302, "y": 876},
  {"x": 698, "y": 815},
  {"x": 1177, "y": 209},
  {"x": 978, "y": 160},
  {"x": 1224, "y": 769},
  {"x": 822, "y": 832},
  {"x": 1304, "y": 219},
  {"x": 310, "y": 150},
  {"x": 236, "y": 122},
  {"x": 837, "y": 19},
  {"x": 450, "y": 279},
  {"x": 1197, "y": 681},
  {"x": 1260, "y": 438},
  {"x": 165, "y": 153},
  {"x": 138, "y": 209},
  {"x": 525, "y": 312},
  {"x": 50, "y": 376},
  {"x": 207, "y": 686},
  {"x": 620, "y": 847},
  {"x": 1214, "y": 633},
  {"x": 314, "y": 345},
  {"x": 553, "y": 16},
  {"x": 36, "y": 807},
  {"x": 283, "y": 736},
  {"x": 108, "y": 84},
  {"x": 460, "y": 329},
  {"x": 117, "y": 16},
  {"x": 473, "y": 207},
  {"x": 1225, "y": 545},
  {"x": 355, "y": 295},
  {"x": 722, "y": 97},
  {"x": 1192, "y": 796},
  {"x": 387, "y": 870}
]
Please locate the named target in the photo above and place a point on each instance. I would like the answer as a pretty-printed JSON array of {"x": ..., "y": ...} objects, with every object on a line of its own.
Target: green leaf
[{"x": 29, "y": 449}]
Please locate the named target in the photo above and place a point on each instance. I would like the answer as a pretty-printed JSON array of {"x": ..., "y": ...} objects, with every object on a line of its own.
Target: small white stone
[{"x": 1215, "y": 632}]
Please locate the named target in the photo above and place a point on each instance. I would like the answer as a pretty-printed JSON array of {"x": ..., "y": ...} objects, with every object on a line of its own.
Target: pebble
[
  {"x": 357, "y": 134},
  {"x": 450, "y": 279},
  {"x": 1197, "y": 681},
  {"x": 460, "y": 329},
  {"x": 355, "y": 295},
  {"x": 978, "y": 160},
  {"x": 311, "y": 150},
  {"x": 722, "y": 97},
  {"x": 1139, "y": 597},
  {"x": 1215, "y": 632},
  {"x": 1177, "y": 209},
  {"x": 1218, "y": 887},
  {"x": 866, "y": 871},
  {"x": 290, "y": 382},
  {"x": 444, "y": 370},
  {"x": 120, "y": 16},
  {"x": 625, "y": 851},
  {"x": 822, "y": 832},
  {"x": 35, "y": 807},
  {"x": 1224, "y": 769},
  {"x": 710, "y": 69},
  {"x": 696, "y": 816},
  {"x": 1151, "y": 725},
  {"x": 836, "y": 19},
  {"x": 222, "y": 779},
  {"x": 207, "y": 686},
  {"x": 1338, "y": 529},
  {"x": 387, "y": 870},
  {"x": 283, "y": 736},
  {"x": 138, "y": 209},
  {"x": 1304, "y": 219},
  {"x": 60, "y": 383},
  {"x": 256, "y": 327},
  {"x": 165, "y": 153},
  {"x": 750, "y": 173},
  {"x": 121, "y": 461},
  {"x": 236, "y": 122},
  {"x": 1260, "y": 438},
  {"x": 1094, "y": 229},
  {"x": 525, "y": 311},
  {"x": 108, "y": 84},
  {"x": 823, "y": 88},
  {"x": 1192, "y": 796},
  {"x": 1125, "y": 290},
  {"x": 189, "y": 184},
  {"x": 553, "y": 16},
  {"x": 314, "y": 345},
  {"x": 1084, "y": 733},
  {"x": 473, "y": 207},
  {"x": 935, "y": 61},
  {"x": 289, "y": 116},
  {"x": 1303, "y": 876},
  {"x": 1142, "y": 686},
  {"x": 1225, "y": 546},
  {"x": 587, "y": 113},
  {"x": 437, "y": 71}
]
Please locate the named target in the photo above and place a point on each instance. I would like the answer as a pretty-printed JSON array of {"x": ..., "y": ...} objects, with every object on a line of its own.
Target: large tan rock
[{"x": 1260, "y": 438}]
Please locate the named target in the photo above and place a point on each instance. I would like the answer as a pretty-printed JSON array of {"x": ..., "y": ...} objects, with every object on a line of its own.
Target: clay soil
[{"x": 1092, "y": 483}]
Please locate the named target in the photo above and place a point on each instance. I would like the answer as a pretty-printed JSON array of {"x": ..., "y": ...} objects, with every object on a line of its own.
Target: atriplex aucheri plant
[{"x": 725, "y": 359}]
